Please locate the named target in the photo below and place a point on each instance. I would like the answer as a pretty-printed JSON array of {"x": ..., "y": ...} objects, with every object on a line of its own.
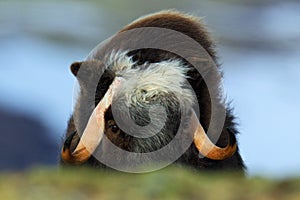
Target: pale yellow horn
[
  {"x": 206, "y": 147},
  {"x": 93, "y": 132}
]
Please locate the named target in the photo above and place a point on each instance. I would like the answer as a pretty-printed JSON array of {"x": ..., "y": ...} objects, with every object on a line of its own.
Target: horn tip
[
  {"x": 66, "y": 154},
  {"x": 231, "y": 139}
]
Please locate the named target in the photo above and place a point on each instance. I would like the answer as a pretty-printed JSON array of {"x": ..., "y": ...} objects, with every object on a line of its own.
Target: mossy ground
[{"x": 171, "y": 183}]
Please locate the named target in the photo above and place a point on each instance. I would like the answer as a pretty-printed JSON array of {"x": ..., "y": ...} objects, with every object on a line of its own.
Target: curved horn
[
  {"x": 206, "y": 147},
  {"x": 93, "y": 132}
]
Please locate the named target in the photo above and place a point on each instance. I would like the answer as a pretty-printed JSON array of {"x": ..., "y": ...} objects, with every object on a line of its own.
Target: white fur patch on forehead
[
  {"x": 118, "y": 61},
  {"x": 143, "y": 83}
]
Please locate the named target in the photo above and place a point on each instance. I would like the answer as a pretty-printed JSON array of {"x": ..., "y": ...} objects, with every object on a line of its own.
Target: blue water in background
[{"x": 262, "y": 75}]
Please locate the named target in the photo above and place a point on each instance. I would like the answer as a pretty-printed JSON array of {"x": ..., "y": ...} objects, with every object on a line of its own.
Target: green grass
[{"x": 172, "y": 183}]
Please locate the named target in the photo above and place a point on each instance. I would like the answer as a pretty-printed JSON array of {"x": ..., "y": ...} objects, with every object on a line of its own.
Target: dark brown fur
[{"x": 195, "y": 29}]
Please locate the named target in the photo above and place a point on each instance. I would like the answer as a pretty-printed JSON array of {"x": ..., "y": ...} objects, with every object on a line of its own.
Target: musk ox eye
[{"x": 114, "y": 128}]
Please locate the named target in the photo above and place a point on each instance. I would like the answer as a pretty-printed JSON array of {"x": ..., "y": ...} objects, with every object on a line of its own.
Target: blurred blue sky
[{"x": 259, "y": 46}]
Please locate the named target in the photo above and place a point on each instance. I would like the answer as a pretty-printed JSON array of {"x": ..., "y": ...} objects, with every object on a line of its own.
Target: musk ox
[{"x": 149, "y": 89}]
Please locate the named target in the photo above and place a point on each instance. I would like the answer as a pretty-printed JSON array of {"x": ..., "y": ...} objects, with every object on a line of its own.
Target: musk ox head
[{"x": 141, "y": 100}]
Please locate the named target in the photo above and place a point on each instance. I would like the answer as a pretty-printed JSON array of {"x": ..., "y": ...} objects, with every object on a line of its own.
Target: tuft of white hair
[{"x": 144, "y": 83}]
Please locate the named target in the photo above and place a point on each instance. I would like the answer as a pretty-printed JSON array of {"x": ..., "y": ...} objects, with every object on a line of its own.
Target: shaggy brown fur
[{"x": 195, "y": 29}]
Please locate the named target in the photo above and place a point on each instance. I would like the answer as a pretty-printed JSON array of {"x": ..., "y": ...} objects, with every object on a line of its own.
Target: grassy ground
[{"x": 172, "y": 183}]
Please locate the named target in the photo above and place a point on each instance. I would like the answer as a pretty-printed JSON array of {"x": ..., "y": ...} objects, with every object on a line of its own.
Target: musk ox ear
[{"x": 75, "y": 67}]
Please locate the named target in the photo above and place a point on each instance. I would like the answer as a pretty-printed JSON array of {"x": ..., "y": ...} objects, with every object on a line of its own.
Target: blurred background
[{"x": 258, "y": 45}]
